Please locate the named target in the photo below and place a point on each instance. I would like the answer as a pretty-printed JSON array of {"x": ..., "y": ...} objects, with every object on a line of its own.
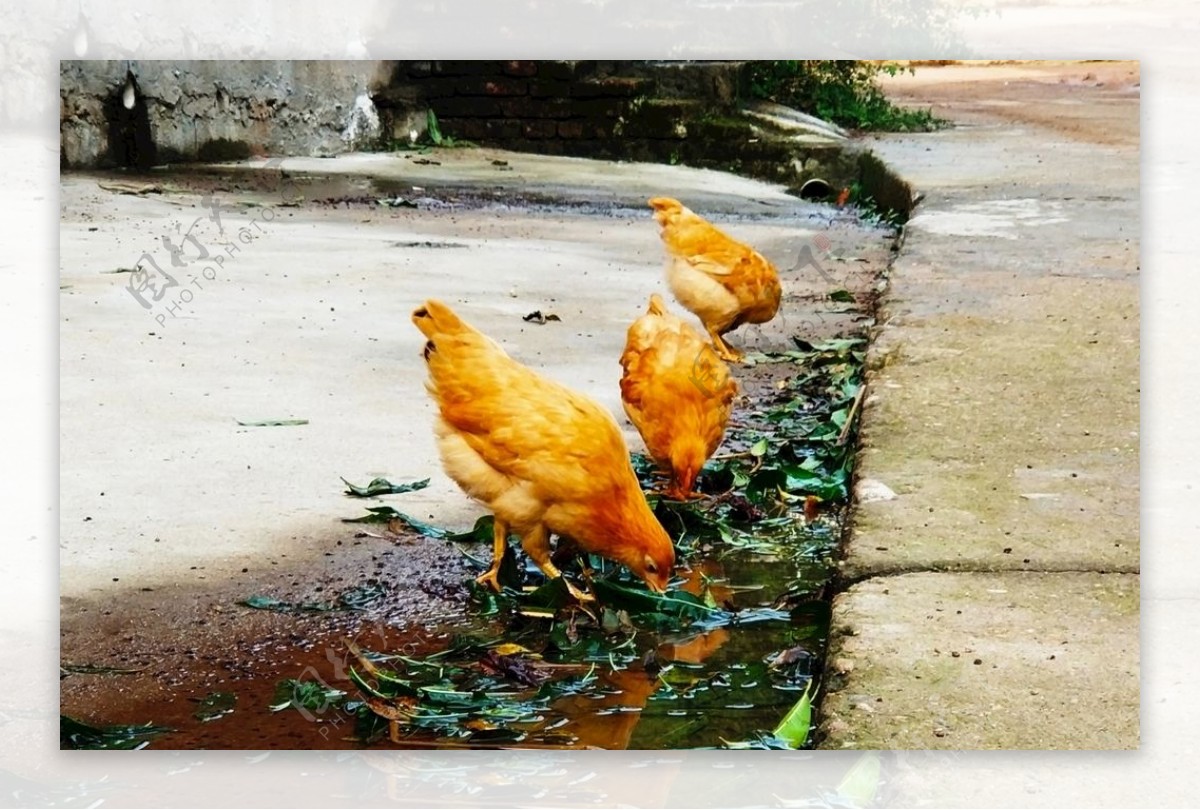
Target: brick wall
[{"x": 599, "y": 109}]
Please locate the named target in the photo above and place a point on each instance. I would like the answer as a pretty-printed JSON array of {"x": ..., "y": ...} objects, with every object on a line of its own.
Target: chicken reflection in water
[{"x": 607, "y": 718}]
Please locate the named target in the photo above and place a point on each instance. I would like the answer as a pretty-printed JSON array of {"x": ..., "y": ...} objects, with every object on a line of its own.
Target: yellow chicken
[
  {"x": 724, "y": 282},
  {"x": 542, "y": 457},
  {"x": 677, "y": 392}
]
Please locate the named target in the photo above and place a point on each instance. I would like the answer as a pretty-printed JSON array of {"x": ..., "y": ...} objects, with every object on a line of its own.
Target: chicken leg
[
  {"x": 723, "y": 349},
  {"x": 491, "y": 577},
  {"x": 537, "y": 545}
]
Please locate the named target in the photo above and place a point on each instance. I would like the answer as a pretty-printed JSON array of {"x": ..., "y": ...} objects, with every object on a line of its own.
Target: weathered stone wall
[
  {"x": 202, "y": 110},
  {"x": 141, "y": 114}
]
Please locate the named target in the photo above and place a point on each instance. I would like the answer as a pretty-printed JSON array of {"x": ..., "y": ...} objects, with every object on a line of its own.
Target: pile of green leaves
[
  {"x": 801, "y": 444},
  {"x": 534, "y": 643},
  {"x": 473, "y": 692},
  {"x": 843, "y": 91},
  {"x": 622, "y": 602}
]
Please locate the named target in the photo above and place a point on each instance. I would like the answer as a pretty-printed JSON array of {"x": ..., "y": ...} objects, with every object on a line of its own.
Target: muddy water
[
  {"x": 717, "y": 686},
  {"x": 173, "y": 647},
  {"x": 670, "y": 689}
]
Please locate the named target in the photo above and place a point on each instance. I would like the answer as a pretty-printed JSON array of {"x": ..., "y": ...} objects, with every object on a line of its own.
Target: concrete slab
[
  {"x": 997, "y": 661},
  {"x": 1003, "y": 413}
]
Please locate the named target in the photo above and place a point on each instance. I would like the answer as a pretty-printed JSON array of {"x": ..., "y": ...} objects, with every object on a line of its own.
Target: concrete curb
[{"x": 992, "y": 600}]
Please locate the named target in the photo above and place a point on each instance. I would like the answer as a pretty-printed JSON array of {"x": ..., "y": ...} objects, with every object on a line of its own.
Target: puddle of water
[
  {"x": 685, "y": 686},
  {"x": 649, "y": 689}
]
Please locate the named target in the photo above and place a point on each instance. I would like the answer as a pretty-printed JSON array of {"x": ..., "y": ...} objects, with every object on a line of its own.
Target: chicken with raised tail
[
  {"x": 677, "y": 392},
  {"x": 545, "y": 459},
  {"x": 724, "y": 282}
]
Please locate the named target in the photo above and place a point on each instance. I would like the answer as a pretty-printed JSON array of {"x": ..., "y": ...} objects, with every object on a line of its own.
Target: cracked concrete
[{"x": 1003, "y": 412}]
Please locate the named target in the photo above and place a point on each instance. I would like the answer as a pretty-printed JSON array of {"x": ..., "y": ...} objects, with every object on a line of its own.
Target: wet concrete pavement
[
  {"x": 994, "y": 601},
  {"x": 173, "y": 512},
  {"x": 308, "y": 318}
]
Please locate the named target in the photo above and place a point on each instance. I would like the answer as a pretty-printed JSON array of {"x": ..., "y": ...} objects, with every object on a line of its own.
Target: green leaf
[
  {"x": 483, "y": 531},
  {"x": 763, "y": 742},
  {"x": 271, "y": 422},
  {"x": 861, "y": 783},
  {"x": 278, "y": 605},
  {"x": 841, "y": 296},
  {"x": 553, "y": 594},
  {"x": 382, "y": 486},
  {"x": 676, "y": 604},
  {"x": 77, "y": 736},
  {"x": 796, "y": 724},
  {"x": 432, "y": 128},
  {"x": 214, "y": 706},
  {"x": 265, "y": 603},
  {"x": 386, "y": 514},
  {"x": 839, "y": 417},
  {"x": 310, "y": 695},
  {"x": 363, "y": 596},
  {"x": 759, "y": 448}
]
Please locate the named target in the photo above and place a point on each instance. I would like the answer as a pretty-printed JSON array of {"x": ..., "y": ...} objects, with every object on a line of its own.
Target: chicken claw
[
  {"x": 580, "y": 596},
  {"x": 724, "y": 350},
  {"x": 490, "y": 578}
]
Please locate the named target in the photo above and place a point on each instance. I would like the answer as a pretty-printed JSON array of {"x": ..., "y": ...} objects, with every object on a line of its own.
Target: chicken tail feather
[{"x": 434, "y": 318}]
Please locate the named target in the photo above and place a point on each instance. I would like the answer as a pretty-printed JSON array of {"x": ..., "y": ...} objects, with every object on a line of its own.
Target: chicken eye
[{"x": 652, "y": 568}]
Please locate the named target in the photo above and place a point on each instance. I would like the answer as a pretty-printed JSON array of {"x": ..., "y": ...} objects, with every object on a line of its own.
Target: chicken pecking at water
[
  {"x": 677, "y": 392},
  {"x": 545, "y": 459}
]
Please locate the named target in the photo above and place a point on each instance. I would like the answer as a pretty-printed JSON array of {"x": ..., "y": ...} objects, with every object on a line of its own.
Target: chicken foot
[
  {"x": 491, "y": 577},
  {"x": 723, "y": 349},
  {"x": 537, "y": 545}
]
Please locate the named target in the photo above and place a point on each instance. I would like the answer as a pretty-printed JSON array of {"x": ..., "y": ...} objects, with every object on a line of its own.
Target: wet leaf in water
[
  {"x": 311, "y": 696},
  {"x": 797, "y": 723},
  {"x": 214, "y": 706},
  {"x": 76, "y": 735},
  {"x": 382, "y": 486},
  {"x": 476, "y": 701},
  {"x": 676, "y": 604},
  {"x": 762, "y": 742},
  {"x": 861, "y": 783},
  {"x": 512, "y": 667},
  {"x": 363, "y": 596},
  {"x": 271, "y": 603}
]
